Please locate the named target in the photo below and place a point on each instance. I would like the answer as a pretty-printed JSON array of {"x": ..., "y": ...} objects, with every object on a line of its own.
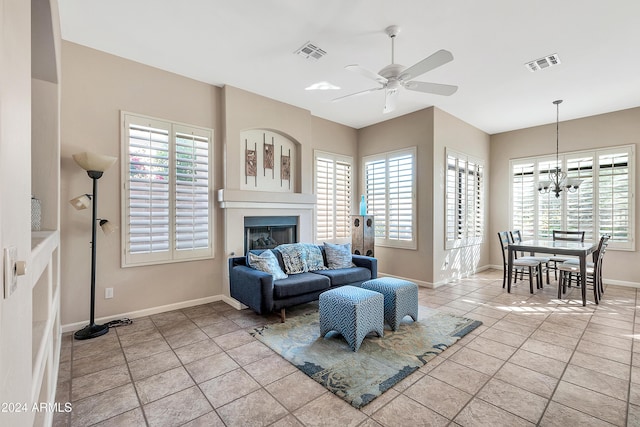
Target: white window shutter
[{"x": 167, "y": 214}]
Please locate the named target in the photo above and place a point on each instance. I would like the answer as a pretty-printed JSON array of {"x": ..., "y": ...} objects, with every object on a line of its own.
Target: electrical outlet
[
  {"x": 108, "y": 293},
  {"x": 10, "y": 270}
]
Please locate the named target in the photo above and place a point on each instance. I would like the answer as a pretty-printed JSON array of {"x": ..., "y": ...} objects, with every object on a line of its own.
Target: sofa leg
[{"x": 282, "y": 315}]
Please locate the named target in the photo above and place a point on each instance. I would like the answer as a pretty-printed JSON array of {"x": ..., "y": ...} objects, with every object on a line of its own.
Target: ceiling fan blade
[
  {"x": 357, "y": 94},
  {"x": 439, "y": 58},
  {"x": 366, "y": 73},
  {"x": 390, "y": 100},
  {"x": 435, "y": 88}
]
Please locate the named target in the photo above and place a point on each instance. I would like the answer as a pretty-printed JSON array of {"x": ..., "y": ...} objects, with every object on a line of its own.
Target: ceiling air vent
[
  {"x": 542, "y": 63},
  {"x": 310, "y": 51}
]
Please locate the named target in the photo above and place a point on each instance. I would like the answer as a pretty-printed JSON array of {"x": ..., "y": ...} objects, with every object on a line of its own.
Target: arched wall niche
[{"x": 270, "y": 161}]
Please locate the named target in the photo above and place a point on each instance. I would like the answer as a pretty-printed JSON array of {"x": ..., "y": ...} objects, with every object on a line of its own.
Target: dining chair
[
  {"x": 528, "y": 266},
  {"x": 594, "y": 271},
  {"x": 516, "y": 237},
  {"x": 565, "y": 235},
  {"x": 598, "y": 255}
]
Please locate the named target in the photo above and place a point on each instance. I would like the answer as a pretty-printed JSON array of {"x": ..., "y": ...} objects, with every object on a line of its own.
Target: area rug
[{"x": 380, "y": 363}]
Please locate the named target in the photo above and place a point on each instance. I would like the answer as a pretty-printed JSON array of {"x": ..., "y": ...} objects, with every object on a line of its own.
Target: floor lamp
[{"x": 95, "y": 165}]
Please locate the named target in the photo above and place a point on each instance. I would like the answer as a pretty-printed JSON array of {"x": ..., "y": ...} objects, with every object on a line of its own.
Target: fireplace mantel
[{"x": 239, "y": 199}]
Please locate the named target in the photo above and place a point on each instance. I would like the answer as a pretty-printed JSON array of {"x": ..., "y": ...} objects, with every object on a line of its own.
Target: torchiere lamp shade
[{"x": 93, "y": 161}]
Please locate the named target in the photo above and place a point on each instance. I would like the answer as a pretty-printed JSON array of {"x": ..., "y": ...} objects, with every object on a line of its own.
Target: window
[
  {"x": 602, "y": 204},
  {"x": 333, "y": 192},
  {"x": 389, "y": 182},
  {"x": 464, "y": 200},
  {"x": 166, "y": 176}
]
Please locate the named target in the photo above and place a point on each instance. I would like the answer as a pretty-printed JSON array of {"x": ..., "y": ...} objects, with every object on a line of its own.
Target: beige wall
[
  {"x": 96, "y": 86},
  {"x": 411, "y": 130},
  {"x": 612, "y": 129},
  {"x": 245, "y": 110},
  {"x": 451, "y": 132},
  {"x": 430, "y": 130}
]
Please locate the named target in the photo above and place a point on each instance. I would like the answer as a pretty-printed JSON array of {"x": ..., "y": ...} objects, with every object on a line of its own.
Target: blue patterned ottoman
[
  {"x": 400, "y": 298},
  {"x": 353, "y": 312}
]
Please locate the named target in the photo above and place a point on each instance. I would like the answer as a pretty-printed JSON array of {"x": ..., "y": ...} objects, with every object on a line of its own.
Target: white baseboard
[
  {"x": 606, "y": 281},
  {"x": 239, "y": 306},
  {"x": 155, "y": 310},
  {"x": 621, "y": 283},
  {"x": 417, "y": 282},
  {"x": 434, "y": 285}
]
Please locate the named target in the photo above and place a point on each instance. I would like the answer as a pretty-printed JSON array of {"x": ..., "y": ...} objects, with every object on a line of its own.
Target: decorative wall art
[
  {"x": 251, "y": 162},
  {"x": 269, "y": 161},
  {"x": 268, "y": 155},
  {"x": 285, "y": 167}
]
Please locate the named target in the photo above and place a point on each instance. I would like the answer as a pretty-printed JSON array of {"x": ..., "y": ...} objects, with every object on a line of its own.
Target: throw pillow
[
  {"x": 268, "y": 263},
  {"x": 314, "y": 258},
  {"x": 293, "y": 257},
  {"x": 338, "y": 256}
]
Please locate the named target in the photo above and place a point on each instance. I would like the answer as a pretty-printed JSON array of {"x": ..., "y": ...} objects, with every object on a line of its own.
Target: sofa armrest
[
  {"x": 251, "y": 287},
  {"x": 366, "y": 262}
]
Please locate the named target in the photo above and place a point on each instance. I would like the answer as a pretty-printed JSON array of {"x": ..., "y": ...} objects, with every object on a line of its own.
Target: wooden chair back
[{"x": 568, "y": 235}]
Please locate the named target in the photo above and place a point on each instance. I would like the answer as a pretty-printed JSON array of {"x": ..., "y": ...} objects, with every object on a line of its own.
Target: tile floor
[{"x": 535, "y": 361}]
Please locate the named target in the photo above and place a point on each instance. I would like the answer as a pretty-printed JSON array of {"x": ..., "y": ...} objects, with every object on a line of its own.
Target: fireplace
[{"x": 267, "y": 232}]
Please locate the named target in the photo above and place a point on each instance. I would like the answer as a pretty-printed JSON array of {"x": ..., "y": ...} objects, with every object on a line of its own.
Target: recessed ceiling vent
[
  {"x": 542, "y": 63},
  {"x": 310, "y": 51}
]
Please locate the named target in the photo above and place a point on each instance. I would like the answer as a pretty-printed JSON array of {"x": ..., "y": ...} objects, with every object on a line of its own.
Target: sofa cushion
[
  {"x": 343, "y": 276},
  {"x": 338, "y": 256},
  {"x": 298, "y": 284},
  {"x": 266, "y": 262}
]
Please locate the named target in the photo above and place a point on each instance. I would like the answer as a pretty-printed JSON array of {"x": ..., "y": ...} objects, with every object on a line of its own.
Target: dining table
[{"x": 555, "y": 247}]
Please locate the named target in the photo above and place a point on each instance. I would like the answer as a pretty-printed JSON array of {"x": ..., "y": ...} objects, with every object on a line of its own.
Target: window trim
[
  {"x": 172, "y": 255},
  {"x": 385, "y": 241},
  {"x": 477, "y": 215},
  {"x": 628, "y": 245}
]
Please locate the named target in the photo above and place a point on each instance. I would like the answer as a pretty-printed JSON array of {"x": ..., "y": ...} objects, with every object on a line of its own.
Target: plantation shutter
[
  {"x": 192, "y": 192},
  {"x": 614, "y": 190},
  {"x": 523, "y": 187},
  {"x": 389, "y": 182},
  {"x": 464, "y": 201},
  {"x": 166, "y": 199},
  {"x": 343, "y": 199},
  {"x": 148, "y": 190},
  {"x": 333, "y": 193},
  {"x": 580, "y": 214},
  {"x": 451, "y": 203},
  {"x": 324, "y": 198},
  {"x": 375, "y": 194},
  {"x": 475, "y": 197},
  {"x": 400, "y": 200},
  {"x": 603, "y": 203},
  {"x": 549, "y": 206}
]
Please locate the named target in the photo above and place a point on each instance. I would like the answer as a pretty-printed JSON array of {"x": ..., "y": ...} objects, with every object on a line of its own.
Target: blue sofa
[{"x": 258, "y": 290}]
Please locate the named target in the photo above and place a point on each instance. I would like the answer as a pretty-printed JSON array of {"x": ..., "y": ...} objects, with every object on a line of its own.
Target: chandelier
[{"x": 558, "y": 181}]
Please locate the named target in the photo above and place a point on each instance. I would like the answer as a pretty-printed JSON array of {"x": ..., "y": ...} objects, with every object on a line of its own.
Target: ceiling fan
[{"x": 395, "y": 76}]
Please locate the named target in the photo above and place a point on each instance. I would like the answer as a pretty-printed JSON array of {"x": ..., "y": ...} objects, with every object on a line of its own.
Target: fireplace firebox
[{"x": 267, "y": 232}]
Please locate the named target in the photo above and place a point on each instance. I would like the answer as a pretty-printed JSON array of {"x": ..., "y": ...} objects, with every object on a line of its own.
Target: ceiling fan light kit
[{"x": 394, "y": 76}]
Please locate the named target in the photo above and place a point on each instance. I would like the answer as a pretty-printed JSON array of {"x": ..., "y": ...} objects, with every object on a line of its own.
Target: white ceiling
[{"x": 250, "y": 44}]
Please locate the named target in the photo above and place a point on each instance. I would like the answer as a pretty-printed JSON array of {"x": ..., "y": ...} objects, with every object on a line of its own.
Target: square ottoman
[
  {"x": 400, "y": 298},
  {"x": 353, "y": 312}
]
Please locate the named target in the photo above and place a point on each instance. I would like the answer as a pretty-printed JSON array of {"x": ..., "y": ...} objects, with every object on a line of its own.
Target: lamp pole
[{"x": 92, "y": 330}]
